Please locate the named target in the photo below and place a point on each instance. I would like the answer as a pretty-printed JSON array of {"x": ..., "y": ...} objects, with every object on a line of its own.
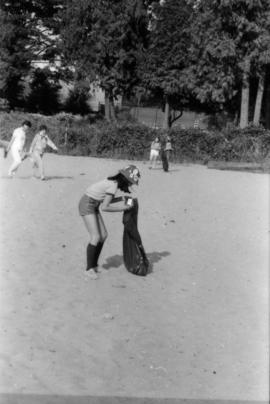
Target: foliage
[
  {"x": 23, "y": 38},
  {"x": 132, "y": 141},
  {"x": 224, "y": 35},
  {"x": 14, "y": 58},
  {"x": 76, "y": 102},
  {"x": 101, "y": 40},
  {"x": 43, "y": 97},
  {"x": 166, "y": 56}
]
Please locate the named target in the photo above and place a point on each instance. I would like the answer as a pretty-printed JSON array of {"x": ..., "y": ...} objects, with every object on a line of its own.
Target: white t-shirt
[
  {"x": 19, "y": 139},
  {"x": 100, "y": 189}
]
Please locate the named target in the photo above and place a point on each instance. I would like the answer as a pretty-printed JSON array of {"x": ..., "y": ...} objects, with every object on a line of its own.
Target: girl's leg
[
  {"x": 102, "y": 228},
  {"x": 151, "y": 159},
  {"x": 16, "y": 162},
  {"x": 41, "y": 168},
  {"x": 34, "y": 163},
  {"x": 154, "y": 161},
  {"x": 39, "y": 164},
  {"x": 103, "y": 233},
  {"x": 92, "y": 226}
]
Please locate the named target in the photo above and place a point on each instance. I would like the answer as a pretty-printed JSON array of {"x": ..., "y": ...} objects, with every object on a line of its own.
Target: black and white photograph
[{"x": 134, "y": 201}]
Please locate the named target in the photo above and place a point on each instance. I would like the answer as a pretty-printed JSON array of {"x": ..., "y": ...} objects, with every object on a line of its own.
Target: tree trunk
[
  {"x": 167, "y": 113},
  {"x": 107, "y": 107},
  {"x": 245, "y": 96},
  {"x": 267, "y": 105},
  {"x": 258, "y": 104}
]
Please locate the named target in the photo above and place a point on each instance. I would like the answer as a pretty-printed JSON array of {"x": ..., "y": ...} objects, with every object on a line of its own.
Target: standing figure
[
  {"x": 16, "y": 146},
  {"x": 100, "y": 196},
  {"x": 154, "y": 152},
  {"x": 168, "y": 147},
  {"x": 37, "y": 149}
]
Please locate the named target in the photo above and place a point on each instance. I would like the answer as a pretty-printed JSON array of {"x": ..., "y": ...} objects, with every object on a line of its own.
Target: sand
[{"x": 196, "y": 328}]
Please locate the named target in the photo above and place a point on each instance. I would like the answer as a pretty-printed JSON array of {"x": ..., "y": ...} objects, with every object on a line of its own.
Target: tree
[
  {"x": 15, "y": 59},
  {"x": 262, "y": 63},
  {"x": 77, "y": 100},
  {"x": 24, "y": 36},
  {"x": 101, "y": 40},
  {"x": 225, "y": 47},
  {"x": 44, "y": 87},
  {"x": 166, "y": 56}
]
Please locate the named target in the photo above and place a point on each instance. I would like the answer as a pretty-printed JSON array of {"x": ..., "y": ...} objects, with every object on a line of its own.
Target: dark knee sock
[
  {"x": 98, "y": 251},
  {"x": 91, "y": 256}
]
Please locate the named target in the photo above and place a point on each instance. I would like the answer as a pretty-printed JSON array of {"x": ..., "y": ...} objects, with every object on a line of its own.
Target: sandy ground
[{"x": 196, "y": 328}]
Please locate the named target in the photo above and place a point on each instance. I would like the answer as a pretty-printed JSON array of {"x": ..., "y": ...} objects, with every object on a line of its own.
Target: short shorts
[
  {"x": 16, "y": 155},
  {"x": 88, "y": 205},
  {"x": 154, "y": 153}
]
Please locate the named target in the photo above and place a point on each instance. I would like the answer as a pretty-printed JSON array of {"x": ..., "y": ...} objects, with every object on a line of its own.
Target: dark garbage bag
[{"x": 135, "y": 258}]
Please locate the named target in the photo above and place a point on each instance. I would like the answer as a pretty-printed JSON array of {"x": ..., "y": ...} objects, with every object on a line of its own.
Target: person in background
[
  {"x": 168, "y": 147},
  {"x": 154, "y": 152},
  {"x": 37, "y": 149},
  {"x": 16, "y": 147},
  {"x": 100, "y": 196}
]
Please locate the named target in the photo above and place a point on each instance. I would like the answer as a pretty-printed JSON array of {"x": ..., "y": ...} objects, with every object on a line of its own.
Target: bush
[
  {"x": 76, "y": 135},
  {"x": 77, "y": 102}
]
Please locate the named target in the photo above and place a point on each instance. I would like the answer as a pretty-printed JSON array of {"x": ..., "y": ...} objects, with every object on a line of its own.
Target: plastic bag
[{"x": 134, "y": 255}]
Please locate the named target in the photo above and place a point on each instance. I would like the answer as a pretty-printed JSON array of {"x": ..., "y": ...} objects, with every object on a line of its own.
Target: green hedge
[{"x": 75, "y": 135}]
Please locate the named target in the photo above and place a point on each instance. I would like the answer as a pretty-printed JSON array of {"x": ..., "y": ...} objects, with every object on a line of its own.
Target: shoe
[
  {"x": 42, "y": 178},
  {"x": 91, "y": 274},
  {"x": 98, "y": 270}
]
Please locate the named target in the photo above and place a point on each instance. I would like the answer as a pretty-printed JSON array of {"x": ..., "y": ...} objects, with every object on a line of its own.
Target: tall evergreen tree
[
  {"x": 25, "y": 35},
  {"x": 44, "y": 87},
  {"x": 226, "y": 43},
  {"x": 165, "y": 59},
  {"x": 15, "y": 59},
  {"x": 101, "y": 39}
]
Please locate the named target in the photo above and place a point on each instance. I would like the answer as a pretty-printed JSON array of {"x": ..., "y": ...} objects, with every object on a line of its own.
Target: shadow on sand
[
  {"x": 113, "y": 262},
  {"x": 30, "y": 177},
  {"x": 58, "y": 177},
  {"x": 116, "y": 261}
]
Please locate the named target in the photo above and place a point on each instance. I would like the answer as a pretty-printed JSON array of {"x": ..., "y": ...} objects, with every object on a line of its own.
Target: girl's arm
[
  {"x": 51, "y": 144},
  {"x": 10, "y": 143},
  {"x": 106, "y": 205},
  {"x": 33, "y": 144},
  {"x": 117, "y": 199}
]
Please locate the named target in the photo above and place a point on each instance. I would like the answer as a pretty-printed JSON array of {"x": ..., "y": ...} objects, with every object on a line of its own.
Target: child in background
[
  {"x": 154, "y": 152},
  {"x": 98, "y": 196},
  {"x": 168, "y": 147},
  {"x": 37, "y": 149},
  {"x": 16, "y": 146}
]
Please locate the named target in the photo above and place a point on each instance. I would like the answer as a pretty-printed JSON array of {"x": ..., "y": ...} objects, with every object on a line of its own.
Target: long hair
[{"x": 122, "y": 182}]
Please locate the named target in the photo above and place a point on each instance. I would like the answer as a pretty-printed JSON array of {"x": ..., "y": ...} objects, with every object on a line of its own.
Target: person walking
[
  {"x": 37, "y": 149},
  {"x": 99, "y": 197},
  {"x": 154, "y": 152},
  {"x": 16, "y": 147}
]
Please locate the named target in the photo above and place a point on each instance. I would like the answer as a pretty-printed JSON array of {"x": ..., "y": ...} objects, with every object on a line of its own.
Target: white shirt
[
  {"x": 100, "y": 189},
  {"x": 18, "y": 137},
  {"x": 40, "y": 142}
]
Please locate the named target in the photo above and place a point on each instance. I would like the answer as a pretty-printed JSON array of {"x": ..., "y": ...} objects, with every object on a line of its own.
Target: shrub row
[{"x": 76, "y": 135}]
